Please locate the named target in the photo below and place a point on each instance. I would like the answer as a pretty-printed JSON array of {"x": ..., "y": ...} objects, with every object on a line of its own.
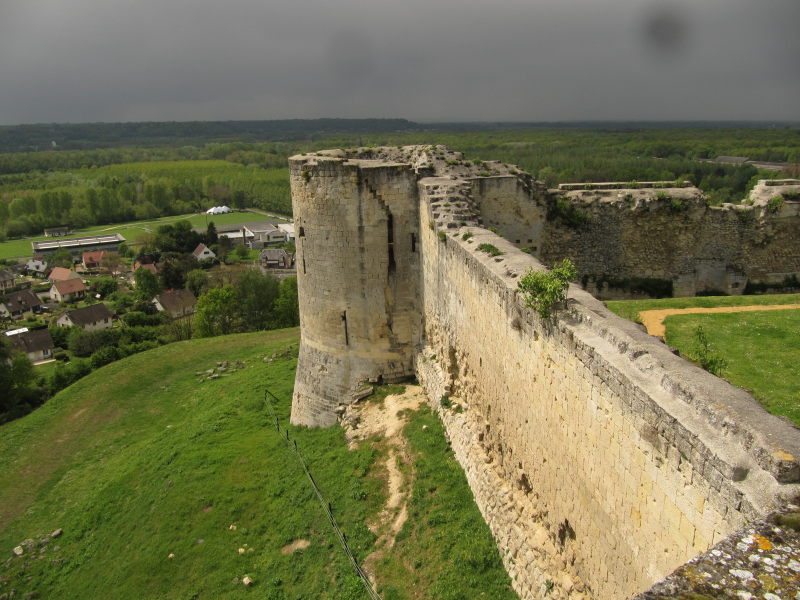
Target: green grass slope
[{"x": 146, "y": 466}]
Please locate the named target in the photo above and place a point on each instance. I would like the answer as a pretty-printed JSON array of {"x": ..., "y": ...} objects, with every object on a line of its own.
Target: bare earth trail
[
  {"x": 653, "y": 320},
  {"x": 384, "y": 421}
]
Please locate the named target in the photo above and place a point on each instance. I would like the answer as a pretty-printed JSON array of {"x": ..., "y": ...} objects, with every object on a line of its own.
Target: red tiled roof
[
  {"x": 153, "y": 268},
  {"x": 93, "y": 257},
  {"x": 61, "y": 274},
  {"x": 70, "y": 286}
]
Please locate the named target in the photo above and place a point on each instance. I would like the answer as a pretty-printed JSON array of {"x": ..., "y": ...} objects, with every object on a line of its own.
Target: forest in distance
[{"x": 98, "y": 186}]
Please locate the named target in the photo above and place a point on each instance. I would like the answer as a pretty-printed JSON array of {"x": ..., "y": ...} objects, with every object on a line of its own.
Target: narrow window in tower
[
  {"x": 304, "y": 265},
  {"x": 344, "y": 324},
  {"x": 302, "y": 232},
  {"x": 413, "y": 242},
  {"x": 390, "y": 239}
]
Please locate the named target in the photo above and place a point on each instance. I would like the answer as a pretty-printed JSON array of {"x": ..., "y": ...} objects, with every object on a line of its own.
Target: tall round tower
[{"x": 356, "y": 228}]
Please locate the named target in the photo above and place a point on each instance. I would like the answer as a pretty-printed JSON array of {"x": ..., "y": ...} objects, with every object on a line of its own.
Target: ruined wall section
[
  {"x": 357, "y": 270},
  {"x": 600, "y": 460},
  {"x": 514, "y": 205},
  {"x": 618, "y": 236}
]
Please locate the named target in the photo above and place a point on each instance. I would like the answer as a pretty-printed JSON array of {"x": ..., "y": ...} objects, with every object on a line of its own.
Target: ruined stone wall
[
  {"x": 671, "y": 234},
  {"x": 513, "y": 205},
  {"x": 600, "y": 460}
]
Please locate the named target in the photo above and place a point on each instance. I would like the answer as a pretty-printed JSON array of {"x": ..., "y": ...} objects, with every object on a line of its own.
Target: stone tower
[{"x": 356, "y": 227}]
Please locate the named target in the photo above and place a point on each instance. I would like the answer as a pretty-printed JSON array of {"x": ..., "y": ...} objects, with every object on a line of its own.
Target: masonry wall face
[
  {"x": 599, "y": 459},
  {"x": 596, "y": 475},
  {"x": 634, "y": 234}
]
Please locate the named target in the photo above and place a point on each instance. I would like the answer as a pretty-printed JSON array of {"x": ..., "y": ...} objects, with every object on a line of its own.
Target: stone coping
[{"x": 760, "y": 561}]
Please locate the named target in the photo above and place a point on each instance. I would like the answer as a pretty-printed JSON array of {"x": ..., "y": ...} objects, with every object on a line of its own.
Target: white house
[
  {"x": 37, "y": 344},
  {"x": 263, "y": 234},
  {"x": 203, "y": 252},
  {"x": 88, "y": 318},
  {"x": 36, "y": 267},
  {"x": 176, "y": 303},
  {"x": 6, "y": 280},
  {"x": 288, "y": 230},
  {"x": 68, "y": 291},
  {"x": 18, "y": 304}
]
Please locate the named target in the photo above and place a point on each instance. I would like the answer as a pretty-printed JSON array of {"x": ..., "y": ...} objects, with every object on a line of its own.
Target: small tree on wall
[{"x": 542, "y": 290}]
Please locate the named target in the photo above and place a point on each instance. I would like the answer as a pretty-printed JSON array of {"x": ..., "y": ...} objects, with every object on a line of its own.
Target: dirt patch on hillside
[
  {"x": 294, "y": 546},
  {"x": 383, "y": 422},
  {"x": 653, "y": 320}
]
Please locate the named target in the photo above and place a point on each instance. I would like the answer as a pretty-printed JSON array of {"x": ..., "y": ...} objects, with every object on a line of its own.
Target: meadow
[
  {"x": 168, "y": 484},
  {"x": 630, "y": 309},
  {"x": 133, "y": 230},
  {"x": 760, "y": 349}
]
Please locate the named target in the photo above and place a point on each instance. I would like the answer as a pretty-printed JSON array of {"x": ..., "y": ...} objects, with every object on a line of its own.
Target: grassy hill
[{"x": 168, "y": 484}]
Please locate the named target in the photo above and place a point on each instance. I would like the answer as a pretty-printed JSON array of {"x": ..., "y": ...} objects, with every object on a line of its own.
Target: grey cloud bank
[{"x": 539, "y": 60}]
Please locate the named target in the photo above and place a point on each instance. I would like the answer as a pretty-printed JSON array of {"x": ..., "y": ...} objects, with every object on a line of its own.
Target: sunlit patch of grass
[{"x": 761, "y": 350}]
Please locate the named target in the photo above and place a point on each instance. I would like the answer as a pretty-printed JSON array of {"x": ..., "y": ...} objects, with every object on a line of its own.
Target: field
[
  {"x": 171, "y": 485},
  {"x": 132, "y": 230},
  {"x": 630, "y": 309},
  {"x": 760, "y": 348}
]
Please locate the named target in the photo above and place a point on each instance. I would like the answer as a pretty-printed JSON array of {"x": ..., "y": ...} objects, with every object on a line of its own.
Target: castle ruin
[{"x": 600, "y": 460}]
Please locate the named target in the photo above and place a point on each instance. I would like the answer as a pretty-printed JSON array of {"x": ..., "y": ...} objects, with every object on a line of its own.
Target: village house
[
  {"x": 91, "y": 260},
  {"x": 288, "y": 230},
  {"x": 36, "y": 267},
  {"x": 61, "y": 274},
  {"x": 146, "y": 264},
  {"x": 263, "y": 234},
  {"x": 56, "y": 231},
  {"x": 68, "y": 291},
  {"x": 37, "y": 344},
  {"x": 88, "y": 318},
  {"x": 176, "y": 303},
  {"x": 18, "y": 304},
  {"x": 6, "y": 280},
  {"x": 203, "y": 252},
  {"x": 275, "y": 258}
]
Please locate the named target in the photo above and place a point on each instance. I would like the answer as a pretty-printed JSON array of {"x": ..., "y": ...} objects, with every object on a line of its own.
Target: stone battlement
[{"x": 600, "y": 460}]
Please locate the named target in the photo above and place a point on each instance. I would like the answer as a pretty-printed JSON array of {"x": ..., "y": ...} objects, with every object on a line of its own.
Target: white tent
[{"x": 218, "y": 210}]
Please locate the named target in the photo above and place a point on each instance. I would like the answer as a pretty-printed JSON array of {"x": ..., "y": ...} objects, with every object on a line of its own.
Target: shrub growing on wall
[{"x": 542, "y": 290}]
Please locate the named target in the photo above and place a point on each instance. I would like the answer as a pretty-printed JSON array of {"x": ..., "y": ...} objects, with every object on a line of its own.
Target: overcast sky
[{"x": 532, "y": 60}]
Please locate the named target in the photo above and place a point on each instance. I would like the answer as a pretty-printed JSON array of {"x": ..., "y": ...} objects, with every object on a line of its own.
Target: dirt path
[
  {"x": 384, "y": 421},
  {"x": 653, "y": 320}
]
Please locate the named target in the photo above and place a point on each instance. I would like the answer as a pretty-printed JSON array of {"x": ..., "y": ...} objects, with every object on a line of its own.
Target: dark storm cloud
[{"x": 89, "y": 60}]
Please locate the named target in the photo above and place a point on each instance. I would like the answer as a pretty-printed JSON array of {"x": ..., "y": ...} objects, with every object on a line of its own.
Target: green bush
[
  {"x": 711, "y": 361},
  {"x": 563, "y": 210},
  {"x": 490, "y": 249},
  {"x": 542, "y": 290},
  {"x": 104, "y": 356},
  {"x": 774, "y": 204}
]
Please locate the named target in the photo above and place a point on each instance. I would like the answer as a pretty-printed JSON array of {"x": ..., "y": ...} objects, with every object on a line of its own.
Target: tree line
[{"x": 139, "y": 192}]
